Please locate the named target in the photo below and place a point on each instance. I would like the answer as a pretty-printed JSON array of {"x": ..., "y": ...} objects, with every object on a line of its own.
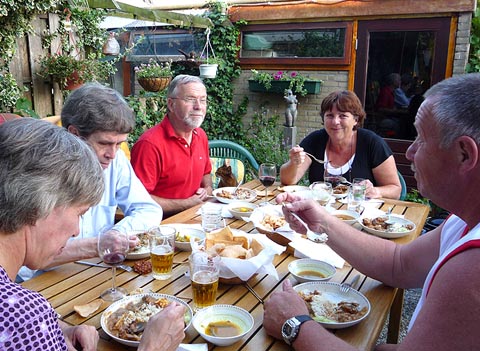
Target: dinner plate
[
  {"x": 143, "y": 251},
  {"x": 398, "y": 222},
  {"x": 185, "y": 229},
  {"x": 123, "y": 302},
  {"x": 245, "y": 194},
  {"x": 292, "y": 188},
  {"x": 331, "y": 291}
]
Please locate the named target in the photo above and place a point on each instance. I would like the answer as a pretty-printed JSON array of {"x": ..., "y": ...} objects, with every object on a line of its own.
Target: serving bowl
[
  {"x": 226, "y": 195},
  {"x": 184, "y": 235},
  {"x": 348, "y": 216},
  {"x": 228, "y": 318},
  {"x": 308, "y": 270},
  {"x": 331, "y": 294},
  {"x": 240, "y": 209},
  {"x": 136, "y": 298}
]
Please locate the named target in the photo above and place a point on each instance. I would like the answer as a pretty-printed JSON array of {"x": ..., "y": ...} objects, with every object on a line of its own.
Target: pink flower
[{"x": 293, "y": 74}]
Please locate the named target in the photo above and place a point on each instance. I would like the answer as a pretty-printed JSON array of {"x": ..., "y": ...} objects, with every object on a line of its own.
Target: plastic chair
[
  {"x": 403, "y": 194},
  {"x": 225, "y": 149}
]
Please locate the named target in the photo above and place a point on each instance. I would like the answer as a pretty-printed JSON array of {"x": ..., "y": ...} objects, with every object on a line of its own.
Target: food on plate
[
  {"x": 223, "y": 329},
  {"x": 242, "y": 209},
  {"x": 143, "y": 267},
  {"x": 380, "y": 223},
  {"x": 323, "y": 310},
  {"x": 240, "y": 194},
  {"x": 87, "y": 309},
  {"x": 128, "y": 322},
  {"x": 340, "y": 189},
  {"x": 225, "y": 244},
  {"x": 273, "y": 222},
  {"x": 184, "y": 238},
  {"x": 143, "y": 243}
]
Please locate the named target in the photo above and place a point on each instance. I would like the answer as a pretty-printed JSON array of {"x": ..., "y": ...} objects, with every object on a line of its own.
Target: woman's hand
[
  {"x": 166, "y": 326},
  {"x": 80, "y": 337},
  {"x": 371, "y": 191},
  {"x": 297, "y": 155}
]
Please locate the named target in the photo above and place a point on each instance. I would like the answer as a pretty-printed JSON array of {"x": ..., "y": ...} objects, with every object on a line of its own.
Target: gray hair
[
  {"x": 456, "y": 107},
  {"x": 97, "y": 108},
  {"x": 43, "y": 167},
  {"x": 180, "y": 80}
]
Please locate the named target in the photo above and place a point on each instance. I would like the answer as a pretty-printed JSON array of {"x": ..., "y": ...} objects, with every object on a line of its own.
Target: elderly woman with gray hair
[{"x": 49, "y": 179}]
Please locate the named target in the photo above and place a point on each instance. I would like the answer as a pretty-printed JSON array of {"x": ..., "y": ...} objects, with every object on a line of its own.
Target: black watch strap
[{"x": 291, "y": 327}]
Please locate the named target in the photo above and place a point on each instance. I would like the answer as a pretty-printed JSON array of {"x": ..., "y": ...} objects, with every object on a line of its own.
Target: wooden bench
[{"x": 399, "y": 149}]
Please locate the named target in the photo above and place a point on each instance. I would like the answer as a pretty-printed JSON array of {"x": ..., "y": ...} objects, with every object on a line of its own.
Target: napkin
[
  {"x": 307, "y": 248},
  {"x": 192, "y": 347}
]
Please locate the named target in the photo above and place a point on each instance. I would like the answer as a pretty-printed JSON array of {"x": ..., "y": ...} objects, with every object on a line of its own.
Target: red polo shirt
[{"x": 167, "y": 166}]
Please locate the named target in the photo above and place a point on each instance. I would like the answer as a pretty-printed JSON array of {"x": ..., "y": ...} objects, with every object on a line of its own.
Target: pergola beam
[{"x": 174, "y": 18}]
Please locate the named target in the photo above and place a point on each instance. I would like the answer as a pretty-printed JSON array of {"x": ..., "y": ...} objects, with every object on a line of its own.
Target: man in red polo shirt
[{"x": 172, "y": 159}]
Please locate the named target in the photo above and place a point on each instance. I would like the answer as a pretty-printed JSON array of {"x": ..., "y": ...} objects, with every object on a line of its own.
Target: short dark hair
[{"x": 345, "y": 101}]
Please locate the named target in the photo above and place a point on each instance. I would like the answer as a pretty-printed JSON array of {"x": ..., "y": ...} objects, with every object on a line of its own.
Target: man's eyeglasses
[{"x": 192, "y": 101}]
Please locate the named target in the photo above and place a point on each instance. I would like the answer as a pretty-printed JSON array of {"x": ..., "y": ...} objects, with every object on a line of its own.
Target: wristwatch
[{"x": 291, "y": 328}]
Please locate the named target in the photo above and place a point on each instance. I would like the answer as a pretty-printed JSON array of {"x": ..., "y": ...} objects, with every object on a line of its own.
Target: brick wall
[{"x": 462, "y": 43}]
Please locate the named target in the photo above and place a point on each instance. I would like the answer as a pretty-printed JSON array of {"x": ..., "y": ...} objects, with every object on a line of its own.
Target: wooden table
[{"x": 73, "y": 284}]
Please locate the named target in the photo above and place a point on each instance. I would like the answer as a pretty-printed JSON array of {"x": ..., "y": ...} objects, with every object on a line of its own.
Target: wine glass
[
  {"x": 329, "y": 177},
  {"x": 112, "y": 249},
  {"x": 267, "y": 173}
]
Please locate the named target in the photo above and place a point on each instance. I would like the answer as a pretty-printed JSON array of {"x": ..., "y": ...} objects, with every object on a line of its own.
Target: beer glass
[
  {"x": 162, "y": 247},
  {"x": 204, "y": 277}
]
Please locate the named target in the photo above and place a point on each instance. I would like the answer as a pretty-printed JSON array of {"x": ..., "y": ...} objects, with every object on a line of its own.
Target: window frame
[{"x": 300, "y": 61}]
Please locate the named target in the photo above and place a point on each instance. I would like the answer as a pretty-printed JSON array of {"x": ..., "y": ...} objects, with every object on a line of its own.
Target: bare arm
[
  {"x": 388, "y": 184},
  {"x": 292, "y": 171},
  {"x": 75, "y": 250}
]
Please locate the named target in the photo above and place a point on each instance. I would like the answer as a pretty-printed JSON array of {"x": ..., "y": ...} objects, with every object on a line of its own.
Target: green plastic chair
[
  {"x": 225, "y": 149},
  {"x": 403, "y": 194}
]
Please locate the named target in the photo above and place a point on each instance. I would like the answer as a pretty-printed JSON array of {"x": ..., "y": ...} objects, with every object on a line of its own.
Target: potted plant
[
  {"x": 154, "y": 76},
  {"x": 280, "y": 81},
  {"x": 71, "y": 72},
  {"x": 209, "y": 66}
]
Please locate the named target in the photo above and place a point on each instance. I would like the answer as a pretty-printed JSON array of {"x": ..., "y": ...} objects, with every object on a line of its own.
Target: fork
[
  {"x": 311, "y": 235},
  {"x": 345, "y": 287},
  {"x": 314, "y": 158}
]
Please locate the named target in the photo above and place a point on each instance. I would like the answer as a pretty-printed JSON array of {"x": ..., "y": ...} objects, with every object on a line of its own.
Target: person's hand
[
  {"x": 371, "y": 191},
  {"x": 202, "y": 194},
  {"x": 296, "y": 155},
  {"x": 166, "y": 326},
  {"x": 309, "y": 210},
  {"x": 281, "y": 306},
  {"x": 133, "y": 241},
  {"x": 81, "y": 337}
]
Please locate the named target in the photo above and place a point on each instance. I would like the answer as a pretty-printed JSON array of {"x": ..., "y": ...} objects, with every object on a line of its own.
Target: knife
[{"x": 122, "y": 266}]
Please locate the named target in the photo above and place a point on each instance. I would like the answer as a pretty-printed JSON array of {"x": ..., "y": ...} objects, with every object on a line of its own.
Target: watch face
[{"x": 289, "y": 331}]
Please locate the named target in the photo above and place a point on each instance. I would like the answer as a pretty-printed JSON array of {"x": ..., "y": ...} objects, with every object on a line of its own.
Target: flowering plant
[
  {"x": 296, "y": 80},
  {"x": 154, "y": 69}
]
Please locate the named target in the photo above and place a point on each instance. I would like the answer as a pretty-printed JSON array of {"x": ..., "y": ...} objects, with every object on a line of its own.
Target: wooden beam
[{"x": 174, "y": 18}]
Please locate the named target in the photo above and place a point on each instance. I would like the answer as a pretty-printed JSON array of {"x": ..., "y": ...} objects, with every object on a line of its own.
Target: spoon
[
  {"x": 314, "y": 158},
  {"x": 236, "y": 188},
  {"x": 311, "y": 235}
]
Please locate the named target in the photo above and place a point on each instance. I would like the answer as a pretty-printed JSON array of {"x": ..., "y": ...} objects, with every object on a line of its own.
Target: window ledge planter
[{"x": 279, "y": 86}]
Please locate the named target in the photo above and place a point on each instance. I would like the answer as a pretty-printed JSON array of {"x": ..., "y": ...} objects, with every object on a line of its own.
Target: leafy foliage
[
  {"x": 9, "y": 91},
  {"x": 154, "y": 69},
  {"x": 296, "y": 80},
  {"x": 473, "y": 64}
]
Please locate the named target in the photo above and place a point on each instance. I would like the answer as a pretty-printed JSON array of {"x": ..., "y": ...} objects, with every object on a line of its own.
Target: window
[
  {"x": 164, "y": 44},
  {"x": 306, "y": 43}
]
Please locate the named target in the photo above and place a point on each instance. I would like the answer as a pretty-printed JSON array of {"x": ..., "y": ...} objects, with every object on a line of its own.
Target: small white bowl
[
  {"x": 241, "y": 318},
  {"x": 348, "y": 213},
  {"x": 240, "y": 209},
  {"x": 310, "y": 270},
  {"x": 186, "y": 231}
]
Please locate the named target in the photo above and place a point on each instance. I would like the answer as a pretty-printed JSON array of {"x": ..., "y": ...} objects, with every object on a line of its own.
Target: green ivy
[{"x": 473, "y": 64}]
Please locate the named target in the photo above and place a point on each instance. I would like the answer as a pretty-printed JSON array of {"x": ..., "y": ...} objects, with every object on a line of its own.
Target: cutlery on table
[
  {"x": 101, "y": 265},
  {"x": 345, "y": 287}
]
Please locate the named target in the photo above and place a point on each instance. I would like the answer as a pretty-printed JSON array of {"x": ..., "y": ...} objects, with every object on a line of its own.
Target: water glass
[
  {"x": 322, "y": 192},
  {"x": 211, "y": 217},
  {"x": 162, "y": 247},
  {"x": 359, "y": 189}
]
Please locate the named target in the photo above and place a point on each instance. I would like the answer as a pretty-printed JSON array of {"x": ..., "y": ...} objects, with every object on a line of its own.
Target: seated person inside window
[
  {"x": 100, "y": 116},
  {"x": 172, "y": 158},
  {"x": 348, "y": 150}
]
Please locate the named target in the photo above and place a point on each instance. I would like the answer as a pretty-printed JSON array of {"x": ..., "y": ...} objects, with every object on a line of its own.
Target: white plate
[
  {"x": 332, "y": 292},
  {"x": 123, "y": 302},
  {"x": 250, "y": 195},
  {"x": 389, "y": 234},
  {"x": 142, "y": 252},
  {"x": 292, "y": 188},
  {"x": 186, "y": 229}
]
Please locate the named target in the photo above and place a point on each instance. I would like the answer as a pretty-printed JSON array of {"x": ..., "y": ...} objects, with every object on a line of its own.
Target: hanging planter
[
  {"x": 155, "y": 84},
  {"x": 208, "y": 70}
]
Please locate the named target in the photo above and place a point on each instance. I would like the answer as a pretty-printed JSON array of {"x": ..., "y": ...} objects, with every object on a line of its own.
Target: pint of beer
[
  {"x": 162, "y": 246},
  {"x": 204, "y": 279}
]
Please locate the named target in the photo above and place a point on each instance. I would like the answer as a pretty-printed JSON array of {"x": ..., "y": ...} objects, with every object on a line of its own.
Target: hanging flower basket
[
  {"x": 73, "y": 81},
  {"x": 208, "y": 70},
  {"x": 154, "y": 84}
]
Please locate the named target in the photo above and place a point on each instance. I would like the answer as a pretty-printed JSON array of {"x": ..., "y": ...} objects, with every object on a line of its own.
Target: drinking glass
[
  {"x": 267, "y": 173},
  {"x": 211, "y": 217},
  {"x": 162, "y": 247},
  {"x": 112, "y": 249},
  {"x": 322, "y": 192},
  {"x": 334, "y": 179},
  {"x": 204, "y": 273}
]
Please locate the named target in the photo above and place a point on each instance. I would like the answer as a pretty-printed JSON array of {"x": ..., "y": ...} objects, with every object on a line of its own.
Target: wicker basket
[{"x": 154, "y": 84}]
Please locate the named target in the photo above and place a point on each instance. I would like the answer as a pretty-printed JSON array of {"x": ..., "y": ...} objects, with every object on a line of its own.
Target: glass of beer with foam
[
  {"x": 204, "y": 272},
  {"x": 162, "y": 247}
]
